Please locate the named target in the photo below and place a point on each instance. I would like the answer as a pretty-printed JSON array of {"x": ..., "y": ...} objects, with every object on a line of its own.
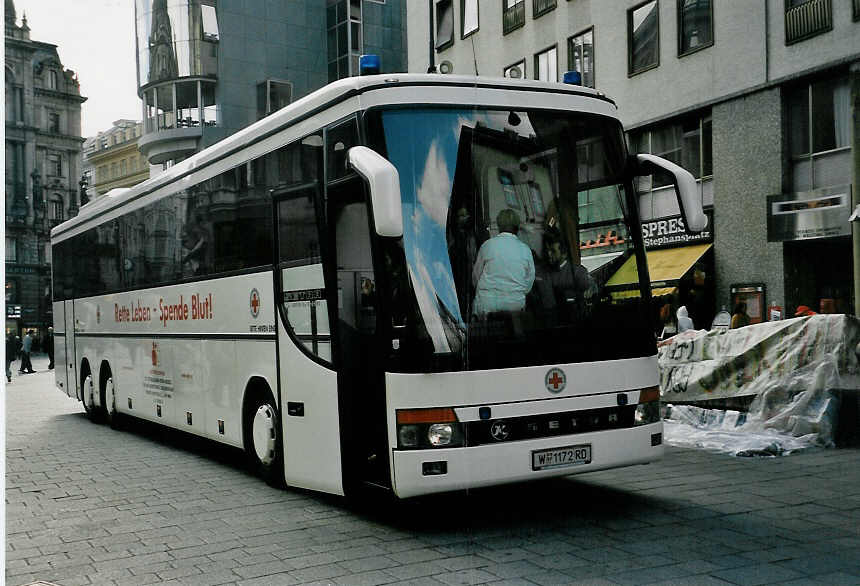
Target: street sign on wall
[{"x": 807, "y": 215}]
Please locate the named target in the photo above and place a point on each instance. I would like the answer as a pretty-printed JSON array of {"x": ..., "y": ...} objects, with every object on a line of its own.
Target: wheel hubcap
[
  {"x": 88, "y": 392},
  {"x": 110, "y": 400},
  {"x": 264, "y": 434}
]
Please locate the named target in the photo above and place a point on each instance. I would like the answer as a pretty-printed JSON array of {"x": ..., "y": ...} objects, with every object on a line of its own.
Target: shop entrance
[{"x": 819, "y": 274}]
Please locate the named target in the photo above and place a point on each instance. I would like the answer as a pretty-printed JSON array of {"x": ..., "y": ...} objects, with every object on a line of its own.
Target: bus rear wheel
[
  {"x": 88, "y": 397},
  {"x": 263, "y": 441},
  {"x": 108, "y": 397}
]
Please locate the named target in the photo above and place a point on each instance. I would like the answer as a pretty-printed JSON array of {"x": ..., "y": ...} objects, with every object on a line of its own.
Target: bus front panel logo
[
  {"x": 255, "y": 303},
  {"x": 500, "y": 430},
  {"x": 555, "y": 380}
]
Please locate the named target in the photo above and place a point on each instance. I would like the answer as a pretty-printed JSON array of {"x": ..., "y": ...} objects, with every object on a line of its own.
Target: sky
[{"x": 95, "y": 39}]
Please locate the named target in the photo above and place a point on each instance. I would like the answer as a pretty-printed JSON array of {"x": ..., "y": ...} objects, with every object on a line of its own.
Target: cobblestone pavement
[{"x": 90, "y": 505}]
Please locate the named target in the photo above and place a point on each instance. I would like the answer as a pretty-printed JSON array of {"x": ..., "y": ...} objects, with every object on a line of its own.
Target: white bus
[{"x": 304, "y": 290}]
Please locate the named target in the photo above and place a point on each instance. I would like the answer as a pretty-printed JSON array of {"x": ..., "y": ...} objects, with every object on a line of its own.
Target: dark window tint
[
  {"x": 444, "y": 24},
  {"x": 298, "y": 236},
  {"x": 339, "y": 139},
  {"x": 643, "y": 33},
  {"x": 696, "y": 29}
]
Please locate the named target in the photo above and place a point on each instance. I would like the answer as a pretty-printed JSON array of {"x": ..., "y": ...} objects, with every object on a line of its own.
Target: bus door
[
  {"x": 308, "y": 398},
  {"x": 70, "y": 385},
  {"x": 357, "y": 352}
]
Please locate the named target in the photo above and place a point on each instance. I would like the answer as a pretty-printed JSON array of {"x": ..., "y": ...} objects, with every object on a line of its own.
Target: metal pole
[
  {"x": 854, "y": 80},
  {"x": 432, "y": 67}
]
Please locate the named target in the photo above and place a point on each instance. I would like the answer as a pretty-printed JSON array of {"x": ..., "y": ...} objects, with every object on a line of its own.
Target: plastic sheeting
[{"x": 792, "y": 369}]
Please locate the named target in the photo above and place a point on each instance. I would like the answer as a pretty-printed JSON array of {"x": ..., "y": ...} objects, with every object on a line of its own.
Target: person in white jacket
[{"x": 684, "y": 321}]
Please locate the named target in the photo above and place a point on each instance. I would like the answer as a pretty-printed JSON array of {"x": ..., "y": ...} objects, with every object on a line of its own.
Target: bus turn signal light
[
  {"x": 650, "y": 394},
  {"x": 438, "y": 415}
]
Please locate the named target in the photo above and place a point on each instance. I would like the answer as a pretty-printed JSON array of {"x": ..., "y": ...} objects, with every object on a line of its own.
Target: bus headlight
[
  {"x": 429, "y": 428},
  {"x": 440, "y": 434},
  {"x": 648, "y": 409},
  {"x": 407, "y": 436}
]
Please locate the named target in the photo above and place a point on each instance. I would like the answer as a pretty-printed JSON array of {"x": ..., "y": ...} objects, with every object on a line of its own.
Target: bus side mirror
[
  {"x": 384, "y": 182},
  {"x": 685, "y": 187}
]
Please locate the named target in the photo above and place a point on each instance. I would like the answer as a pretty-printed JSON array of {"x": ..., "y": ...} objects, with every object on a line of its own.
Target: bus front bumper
[{"x": 418, "y": 472}]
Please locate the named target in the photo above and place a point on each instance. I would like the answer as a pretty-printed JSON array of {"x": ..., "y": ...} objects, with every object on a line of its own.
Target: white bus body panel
[
  {"x": 197, "y": 360},
  {"x": 312, "y": 457},
  {"x": 516, "y": 393},
  {"x": 61, "y": 336}
]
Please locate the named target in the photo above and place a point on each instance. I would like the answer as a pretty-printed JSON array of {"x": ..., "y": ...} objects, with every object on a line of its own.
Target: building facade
[
  {"x": 112, "y": 159},
  {"x": 43, "y": 167},
  {"x": 207, "y": 68},
  {"x": 753, "y": 98}
]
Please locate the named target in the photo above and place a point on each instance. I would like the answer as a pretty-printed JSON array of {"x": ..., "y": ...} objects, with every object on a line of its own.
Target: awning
[
  {"x": 595, "y": 261},
  {"x": 668, "y": 264}
]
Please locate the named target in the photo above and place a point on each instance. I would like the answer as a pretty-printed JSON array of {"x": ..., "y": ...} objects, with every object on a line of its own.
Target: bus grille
[{"x": 549, "y": 425}]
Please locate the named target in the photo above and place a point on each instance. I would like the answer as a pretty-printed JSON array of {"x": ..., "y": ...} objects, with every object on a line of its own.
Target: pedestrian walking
[
  {"x": 49, "y": 347},
  {"x": 26, "y": 348},
  {"x": 11, "y": 354}
]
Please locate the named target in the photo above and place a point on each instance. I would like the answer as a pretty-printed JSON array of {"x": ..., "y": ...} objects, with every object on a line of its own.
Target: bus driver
[{"x": 504, "y": 270}]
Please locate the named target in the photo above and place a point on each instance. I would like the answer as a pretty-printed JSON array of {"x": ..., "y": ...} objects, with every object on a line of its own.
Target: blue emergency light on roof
[
  {"x": 369, "y": 64},
  {"x": 572, "y": 78}
]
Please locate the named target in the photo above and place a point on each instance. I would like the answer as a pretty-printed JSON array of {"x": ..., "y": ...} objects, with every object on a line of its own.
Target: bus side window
[
  {"x": 356, "y": 283},
  {"x": 339, "y": 139},
  {"x": 301, "y": 272}
]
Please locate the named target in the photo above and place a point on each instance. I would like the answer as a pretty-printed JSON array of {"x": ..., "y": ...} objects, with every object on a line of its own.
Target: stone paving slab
[{"x": 88, "y": 505}]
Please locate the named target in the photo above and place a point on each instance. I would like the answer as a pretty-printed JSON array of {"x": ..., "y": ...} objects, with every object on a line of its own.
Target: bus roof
[{"x": 316, "y": 101}]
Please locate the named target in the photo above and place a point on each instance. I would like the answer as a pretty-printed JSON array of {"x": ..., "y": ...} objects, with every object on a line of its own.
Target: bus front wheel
[{"x": 263, "y": 439}]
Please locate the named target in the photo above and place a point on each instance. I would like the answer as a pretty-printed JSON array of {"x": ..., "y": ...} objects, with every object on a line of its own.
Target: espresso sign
[{"x": 671, "y": 231}]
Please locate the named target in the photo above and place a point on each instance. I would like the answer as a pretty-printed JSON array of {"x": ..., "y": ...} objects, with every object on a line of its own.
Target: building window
[
  {"x": 516, "y": 70},
  {"x": 113, "y": 170},
  {"x": 444, "y": 24},
  {"x": 123, "y": 169},
  {"x": 695, "y": 25},
  {"x": 580, "y": 56},
  {"x": 210, "y": 22},
  {"x": 469, "y": 17},
  {"x": 541, "y": 7},
  {"x": 272, "y": 95},
  {"x": 55, "y": 211},
  {"x": 55, "y": 165},
  {"x": 819, "y": 133},
  {"x": 546, "y": 64},
  {"x": 53, "y": 81},
  {"x": 513, "y": 15},
  {"x": 685, "y": 141},
  {"x": 11, "y": 286},
  {"x": 643, "y": 37},
  {"x": 54, "y": 122},
  {"x": 11, "y": 249},
  {"x": 807, "y": 18},
  {"x": 344, "y": 41}
]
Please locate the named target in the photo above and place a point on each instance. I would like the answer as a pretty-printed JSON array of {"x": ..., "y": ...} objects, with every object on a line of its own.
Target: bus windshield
[{"x": 514, "y": 220}]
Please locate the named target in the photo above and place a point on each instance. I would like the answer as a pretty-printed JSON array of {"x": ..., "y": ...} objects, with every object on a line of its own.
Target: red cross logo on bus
[
  {"x": 255, "y": 303},
  {"x": 555, "y": 380}
]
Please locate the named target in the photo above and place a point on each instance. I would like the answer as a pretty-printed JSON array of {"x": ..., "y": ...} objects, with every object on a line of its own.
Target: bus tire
[
  {"x": 263, "y": 441},
  {"x": 88, "y": 394},
  {"x": 108, "y": 399}
]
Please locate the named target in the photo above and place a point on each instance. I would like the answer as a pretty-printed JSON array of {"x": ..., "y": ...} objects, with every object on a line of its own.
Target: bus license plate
[{"x": 561, "y": 457}]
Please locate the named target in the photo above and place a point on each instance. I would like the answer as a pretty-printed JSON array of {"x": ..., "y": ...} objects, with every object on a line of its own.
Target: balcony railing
[
  {"x": 513, "y": 17},
  {"x": 807, "y": 20},
  {"x": 540, "y": 7}
]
